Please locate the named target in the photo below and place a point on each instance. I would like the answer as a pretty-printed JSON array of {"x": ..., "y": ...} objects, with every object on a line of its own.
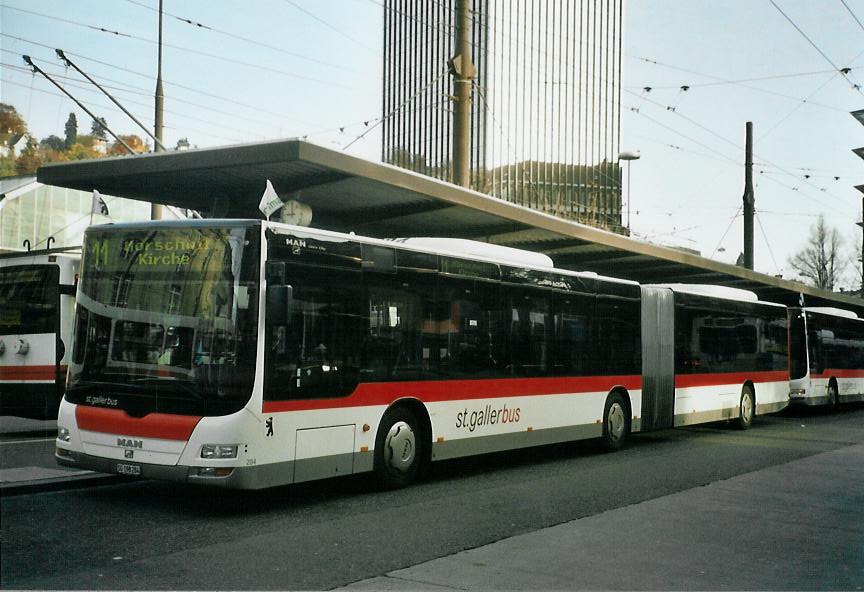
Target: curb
[{"x": 12, "y": 488}]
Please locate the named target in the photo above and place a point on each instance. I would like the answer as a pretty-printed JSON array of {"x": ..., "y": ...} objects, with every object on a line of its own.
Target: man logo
[
  {"x": 129, "y": 453},
  {"x": 129, "y": 443}
]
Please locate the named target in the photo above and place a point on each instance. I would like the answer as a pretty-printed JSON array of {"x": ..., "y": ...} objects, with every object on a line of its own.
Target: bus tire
[
  {"x": 398, "y": 449},
  {"x": 746, "y": 408},
  {"x": 616, "y": 424},
  {"x": 833, "y": 395}
]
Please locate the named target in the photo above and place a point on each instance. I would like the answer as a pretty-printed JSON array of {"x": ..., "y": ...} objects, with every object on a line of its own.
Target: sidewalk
[
  {"x": 776, "y": 528},
  {"x": 27, "y": 464}
]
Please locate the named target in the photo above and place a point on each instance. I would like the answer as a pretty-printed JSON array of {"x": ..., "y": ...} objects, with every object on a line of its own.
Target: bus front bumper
[{"x": 230, "y": 477}]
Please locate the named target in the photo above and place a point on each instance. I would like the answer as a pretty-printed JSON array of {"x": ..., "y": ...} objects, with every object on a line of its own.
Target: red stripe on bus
[
  {"x": 384, "y": 393},
  {"x": 31, "y": 372},
  {"x": 691, "y": 380},
  {"x": 839, "y": 374},
  {"x": 154, "y": 425}
]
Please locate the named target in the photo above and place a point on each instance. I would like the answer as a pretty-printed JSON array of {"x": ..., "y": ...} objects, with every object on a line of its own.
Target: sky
[{"x": 265, "y": 69}]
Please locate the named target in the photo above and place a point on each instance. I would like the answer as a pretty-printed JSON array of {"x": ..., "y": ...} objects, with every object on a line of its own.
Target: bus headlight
[
  {"x": 219, "y": 451},
  {"x": 63, "y": 435}
]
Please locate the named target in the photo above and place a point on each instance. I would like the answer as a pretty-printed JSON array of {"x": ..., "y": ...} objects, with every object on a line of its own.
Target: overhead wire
[
  {"x": 726, "y": 81},
  {"x": 331, "y": 26},
  {"x": 88, "y": 89},
  {"x": 246, "y": 39},
  {"x": 856, "y": 87},
  {"x": 101, "y": 106},
  {"x": 857, "y": 20},
  {"x": 222, "y": 59}
]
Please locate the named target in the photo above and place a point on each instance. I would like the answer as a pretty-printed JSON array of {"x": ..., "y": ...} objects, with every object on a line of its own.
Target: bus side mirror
[{"x": 279, "y": 304}]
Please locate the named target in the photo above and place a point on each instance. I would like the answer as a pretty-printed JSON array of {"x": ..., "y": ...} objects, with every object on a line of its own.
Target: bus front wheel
[
  {"x": 615, "y": 422},
  {"x": 397, "y": 452},
  {"x": 833, "y": 395},
  {"x": 746, "y": 408}
]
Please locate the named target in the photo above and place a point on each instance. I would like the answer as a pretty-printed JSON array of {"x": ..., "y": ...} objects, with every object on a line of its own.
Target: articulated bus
[
  {"x": 250, "y": 354},
  {"x": 37, "y": 303},
  {"x": 827, "y": 356}
]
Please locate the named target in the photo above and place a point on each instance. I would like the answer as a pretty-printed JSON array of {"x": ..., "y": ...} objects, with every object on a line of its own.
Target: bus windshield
[
  {"x": 28, "y": 299},
  {"x": 166, "y": 319}
]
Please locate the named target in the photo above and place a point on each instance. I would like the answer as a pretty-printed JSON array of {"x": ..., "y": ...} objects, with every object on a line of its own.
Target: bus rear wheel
[
  {"x": 397, "y": 449},
  {"x": 746, "y": 409},
  {"x": 615, "y": 422}
]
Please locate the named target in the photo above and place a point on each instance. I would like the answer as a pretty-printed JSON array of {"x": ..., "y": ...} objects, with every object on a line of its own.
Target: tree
[
  {"x": 53, "y": 142},
  {"x": 857, "y": 274},
  {"x": 30, "y": 159},
  {"x": 97, "y": 128},
  {"x": 71, "y": 130},
  {"x": 7, "y": 167},
  {"x": 133, "y": 141},
  {"x": 820, "y": 261},
  {"x": 78, "y": 151},
  {"x": 11, "y": 123}
]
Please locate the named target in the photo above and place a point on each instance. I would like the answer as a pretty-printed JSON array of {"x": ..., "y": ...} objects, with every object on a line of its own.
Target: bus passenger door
[{"x": 658, "y": 358}]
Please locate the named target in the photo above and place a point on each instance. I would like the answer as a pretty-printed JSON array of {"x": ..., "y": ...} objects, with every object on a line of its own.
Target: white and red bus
[
  {"x": 37, "y": 303},
  {"x": 730, "y": 354},
  {"x": 251, "y": 354},
  {"x": 827, "y": 356}
]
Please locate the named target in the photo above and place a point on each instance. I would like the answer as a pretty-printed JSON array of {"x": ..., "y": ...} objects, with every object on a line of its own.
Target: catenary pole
[
  {"x": 749, "y": 199},
  {"x": 156, "y": 209}
]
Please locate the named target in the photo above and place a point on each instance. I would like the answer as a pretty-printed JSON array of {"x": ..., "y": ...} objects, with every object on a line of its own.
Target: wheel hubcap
[
  {"x": 616, "y": 422},
  {"x": 746, "y": 408},
  {"x": 400, "y": 446}
]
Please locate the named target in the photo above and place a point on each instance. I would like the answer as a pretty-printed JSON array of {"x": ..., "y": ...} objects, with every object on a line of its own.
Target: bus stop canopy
[{"x": 349, "y": 194}]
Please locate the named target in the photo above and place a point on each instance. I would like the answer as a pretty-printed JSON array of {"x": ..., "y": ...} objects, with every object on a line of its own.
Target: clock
[{"x": 296, "y": 213}]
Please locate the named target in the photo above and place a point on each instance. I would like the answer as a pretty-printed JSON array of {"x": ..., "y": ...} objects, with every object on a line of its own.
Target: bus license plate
[{"x": 127, "y": 469}]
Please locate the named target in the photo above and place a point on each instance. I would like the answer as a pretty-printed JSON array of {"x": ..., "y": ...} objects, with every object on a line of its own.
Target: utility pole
[
  {"x": 156, "y": 209},
  {"x": 463, "y": 72},
  {"x": 749, "y": 199},
  {"x": 36, "y": 68},
  {"x": 861, "y": 224}
]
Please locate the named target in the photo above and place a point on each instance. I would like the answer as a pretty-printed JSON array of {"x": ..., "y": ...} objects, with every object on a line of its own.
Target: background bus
[
  {"x": 827, "y": 356},
  {"x": 326, "y": 354},
  {"x": 36, "y": 309}
]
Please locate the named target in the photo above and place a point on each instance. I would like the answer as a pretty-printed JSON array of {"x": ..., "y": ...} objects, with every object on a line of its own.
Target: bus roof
[
  {"x": 713, "y": 291},
  {"x": 828, "y": 310},
  {"x": 470, "y": 247},
  {"x": 476, "y": 250}
]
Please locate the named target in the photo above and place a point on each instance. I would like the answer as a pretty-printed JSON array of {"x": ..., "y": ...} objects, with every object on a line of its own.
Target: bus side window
[
  {"x": 572, "y": 348},
  {"x": 474, "y": 346},
  {"x": 317, "y": 353},
  {"x": 619, "y": 349},
  {"x": 530, "y": 335}
]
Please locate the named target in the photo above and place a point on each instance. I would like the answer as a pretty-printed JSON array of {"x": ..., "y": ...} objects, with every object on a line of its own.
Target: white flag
[
  {"x": 270, "y": 201},
  {"x": 99, "y": 206}
]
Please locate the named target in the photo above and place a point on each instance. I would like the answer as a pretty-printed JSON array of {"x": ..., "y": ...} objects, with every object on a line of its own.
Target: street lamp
[{"x": 627, "y": 156}]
